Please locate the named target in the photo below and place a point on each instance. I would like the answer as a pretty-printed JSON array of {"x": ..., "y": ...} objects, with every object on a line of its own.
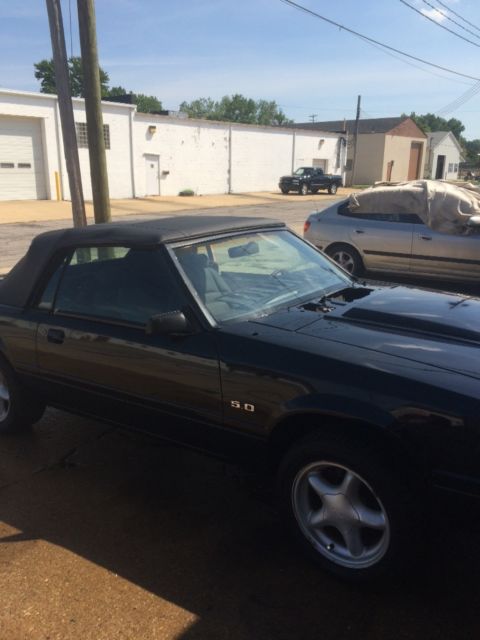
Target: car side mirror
[{"x": 169, "y": 323}]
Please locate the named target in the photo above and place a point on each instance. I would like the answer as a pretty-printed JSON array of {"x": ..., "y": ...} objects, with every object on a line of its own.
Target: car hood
[{"x": 437, "y": 329}]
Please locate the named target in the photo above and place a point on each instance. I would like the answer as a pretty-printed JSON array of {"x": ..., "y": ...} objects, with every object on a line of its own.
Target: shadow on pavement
[{"x": 195, "y": 532}]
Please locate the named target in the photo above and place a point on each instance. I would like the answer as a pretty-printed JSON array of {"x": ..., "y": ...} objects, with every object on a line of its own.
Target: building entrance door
[
  {"x": 152, "y": 175},
  {"x": 440, "y": 167},
  {"x": 415, "y": 157}
]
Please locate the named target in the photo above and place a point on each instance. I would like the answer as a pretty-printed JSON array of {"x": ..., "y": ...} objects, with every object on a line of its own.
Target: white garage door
[{"x": 22, "y": 173}]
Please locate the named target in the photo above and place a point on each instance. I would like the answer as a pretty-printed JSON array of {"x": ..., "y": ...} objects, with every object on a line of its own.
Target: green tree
[
  {"x": 45, "y": 73},
  {"x": 430, "y": 122},
  {"x": 472, "y": 151},
  {"x": 147, "y": 104},
  {"x": 236, "y": 108}
]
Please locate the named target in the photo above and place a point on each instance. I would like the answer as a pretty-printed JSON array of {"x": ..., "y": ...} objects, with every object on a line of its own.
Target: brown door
[
  {"x": 389, "y": 170},
  {"x": 414, "y": 165}
]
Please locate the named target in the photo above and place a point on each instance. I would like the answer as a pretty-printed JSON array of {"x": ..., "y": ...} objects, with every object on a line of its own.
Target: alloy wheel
[
  {"x": 4, "y": 398},
  {"x": 345, "y": 260},
  {"x": 340, "y": 515}
]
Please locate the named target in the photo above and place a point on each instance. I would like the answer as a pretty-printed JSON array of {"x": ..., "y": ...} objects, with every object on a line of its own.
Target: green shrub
[{"x": 186, "y": 192}]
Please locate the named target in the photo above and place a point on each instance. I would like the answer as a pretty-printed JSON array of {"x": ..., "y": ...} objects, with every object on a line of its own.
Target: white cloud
[{"x": 434, "y": 14}]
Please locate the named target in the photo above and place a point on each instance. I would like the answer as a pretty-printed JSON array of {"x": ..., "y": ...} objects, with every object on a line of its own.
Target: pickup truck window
[{"x": 118, "y": 284}]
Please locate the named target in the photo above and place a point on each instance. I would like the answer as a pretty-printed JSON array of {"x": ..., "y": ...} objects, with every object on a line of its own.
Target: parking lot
[{"x": 106, "y": 535}]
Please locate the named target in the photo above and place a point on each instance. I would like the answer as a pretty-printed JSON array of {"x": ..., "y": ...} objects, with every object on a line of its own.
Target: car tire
[
  {"x": 19, "y": 409},
  {"x": 332, "y": 189},
  {"x": 303, "y": 189},
  {"x": 349, "y": 508},
  {"x": 284, "y": 191},
  {"x": 347, "y": 257}
]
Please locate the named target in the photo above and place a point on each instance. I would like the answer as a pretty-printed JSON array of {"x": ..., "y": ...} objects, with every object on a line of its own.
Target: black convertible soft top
[{"x": 16, "y": 288}]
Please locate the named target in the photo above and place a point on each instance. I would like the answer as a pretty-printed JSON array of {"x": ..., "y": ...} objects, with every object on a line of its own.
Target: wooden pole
[
  {"x": 355, "y": 141},
  {"x": 66, "y": 112},
  {"x": 93, "y": 106}
]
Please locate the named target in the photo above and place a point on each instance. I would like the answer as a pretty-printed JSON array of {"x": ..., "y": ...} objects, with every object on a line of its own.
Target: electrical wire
[
  {"x": 458, "y": 15},
  {"x": 417, "y": 66},
  {"x": 377, "y": 42},
  {"x": 435, "y": 22},
  {"x": 447, "y": 17},
  {"x": 460, "y": 101}
]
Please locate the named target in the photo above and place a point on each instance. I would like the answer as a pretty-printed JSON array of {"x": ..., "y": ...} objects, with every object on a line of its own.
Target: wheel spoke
[
  {"x": 353, "y": 541},
  {"x": 321, "y": 486},
  {"x": 370, "y": 518},
  {"x": 350, "y": 486},
  {"x": 315, "y": 519}
]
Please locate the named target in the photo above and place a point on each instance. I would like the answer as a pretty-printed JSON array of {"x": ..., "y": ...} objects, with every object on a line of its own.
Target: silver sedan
[{"x": 397, "y": 243}]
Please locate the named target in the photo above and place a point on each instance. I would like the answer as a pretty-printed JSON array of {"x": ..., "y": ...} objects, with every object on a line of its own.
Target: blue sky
[{"x": 264, "y": 49}]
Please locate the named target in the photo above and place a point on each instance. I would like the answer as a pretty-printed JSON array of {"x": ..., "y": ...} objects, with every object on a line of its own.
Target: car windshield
[
  {"x": 253, "y": 274},
  {"x": 303, "y": 171}
]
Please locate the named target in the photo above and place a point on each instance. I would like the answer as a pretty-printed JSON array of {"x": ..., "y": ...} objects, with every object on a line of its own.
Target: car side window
[
  {"x": 343, "y": 210},
  {"x": 117, "y": 284},
  {"x": 412, "y": 218}
]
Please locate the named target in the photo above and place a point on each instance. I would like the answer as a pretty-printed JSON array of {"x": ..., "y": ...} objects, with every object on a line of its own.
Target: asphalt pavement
[{"x": 105, "y": 535}]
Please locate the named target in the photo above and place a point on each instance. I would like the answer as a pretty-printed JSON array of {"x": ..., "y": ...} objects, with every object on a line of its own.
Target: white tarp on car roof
[{"x": 443, "y": 206}]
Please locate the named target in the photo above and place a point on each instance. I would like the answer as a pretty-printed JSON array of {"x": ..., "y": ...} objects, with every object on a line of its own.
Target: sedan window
[{"x": 117, "y": 283}]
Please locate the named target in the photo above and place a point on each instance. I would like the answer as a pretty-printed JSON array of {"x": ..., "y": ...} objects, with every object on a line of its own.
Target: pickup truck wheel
[
  {"x": 284, "y": 191},
  {"x": 18, "y": 409},
  {"x": 350, "y": 511},
  {"x": 303, "y": 189},
  {"x": 332, "y": 189},
  {"x": 347, "y": 257}
]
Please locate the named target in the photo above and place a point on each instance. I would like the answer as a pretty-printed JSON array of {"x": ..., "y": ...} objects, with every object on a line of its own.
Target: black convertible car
[{"x": 235, "y": 336}]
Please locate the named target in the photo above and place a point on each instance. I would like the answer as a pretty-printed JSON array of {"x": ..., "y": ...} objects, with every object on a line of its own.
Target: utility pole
[
  {"x": 355, "y": 141},
  {"x": 312, "y": 117},
  {"x": 93, "y": 107},
  {"x": 70, "y": 147}
]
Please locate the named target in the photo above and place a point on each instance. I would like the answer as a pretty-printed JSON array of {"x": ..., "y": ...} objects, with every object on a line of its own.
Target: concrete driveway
[
  {"x": 20, "y": 221},
  {"x": 104, "y": 536}
]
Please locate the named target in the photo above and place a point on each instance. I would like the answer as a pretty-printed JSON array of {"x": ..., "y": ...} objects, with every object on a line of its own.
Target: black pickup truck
[{"x": 311, "y": 179}]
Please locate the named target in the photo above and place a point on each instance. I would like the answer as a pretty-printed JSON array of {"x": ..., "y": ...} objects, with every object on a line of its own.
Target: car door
[
  {"x": 383, "y": 239},
  {"x": 445, "y": 255},
  {"x": 95, "y": 355}
]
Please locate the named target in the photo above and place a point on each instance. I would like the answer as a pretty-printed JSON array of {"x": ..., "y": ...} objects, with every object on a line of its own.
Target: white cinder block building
[{"x": 149, "y": 154}]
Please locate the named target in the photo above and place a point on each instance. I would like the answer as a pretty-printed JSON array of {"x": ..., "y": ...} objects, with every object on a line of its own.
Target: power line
[
  {"x": 461, "y": 100},
  {"x": 458, "y": 15},
  {"x": 435, "y": 22},
  {"x": 417, "y": 66},
  {"x": 447, "y": 17},
  {"x": 381, "y": 44}
]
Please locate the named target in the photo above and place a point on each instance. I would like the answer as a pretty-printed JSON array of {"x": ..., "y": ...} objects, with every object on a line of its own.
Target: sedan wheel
[
  {"x": 345, "y": 260},
  {"x": 339, "y": 513},
  {"x": 347, "y": 257}
]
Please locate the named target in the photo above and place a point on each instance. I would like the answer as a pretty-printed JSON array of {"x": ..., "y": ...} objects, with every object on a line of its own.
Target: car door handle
[
  {"x": 57, "y": 336},
  {"x": 359, "y": 231},
  {"x": 425, "y": 237}
]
